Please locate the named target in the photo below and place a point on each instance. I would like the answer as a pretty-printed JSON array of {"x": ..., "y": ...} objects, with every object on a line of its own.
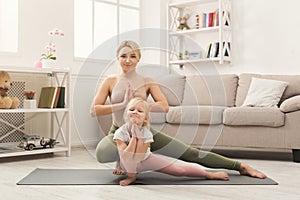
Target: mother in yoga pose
[{"x": 128, "y": 84}]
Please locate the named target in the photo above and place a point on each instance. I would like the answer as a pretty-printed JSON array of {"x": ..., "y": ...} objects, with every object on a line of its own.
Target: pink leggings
[{"x": 159, "y": 163}]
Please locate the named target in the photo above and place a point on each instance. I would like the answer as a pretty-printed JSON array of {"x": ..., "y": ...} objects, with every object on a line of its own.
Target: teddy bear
[
  {"x": 183, "y": 22},
  {"x": 6, "y": 102}
]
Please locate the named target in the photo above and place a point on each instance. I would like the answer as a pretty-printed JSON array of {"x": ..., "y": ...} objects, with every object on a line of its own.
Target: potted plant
[
  {"x": 29, "y": 101},
  {"x": 186, "y": 54},
  {"x": 180, "y": 56},
  {"x": 48, "y": 59}
]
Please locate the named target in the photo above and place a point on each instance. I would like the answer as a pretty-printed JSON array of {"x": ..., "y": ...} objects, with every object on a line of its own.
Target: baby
[{"x": 133, "y": 141}]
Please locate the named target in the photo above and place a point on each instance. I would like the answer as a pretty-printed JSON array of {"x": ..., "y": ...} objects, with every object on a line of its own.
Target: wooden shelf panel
[
  {"x": 191, "y": 3},
  {"x": 207, "y": 29},
  {"x": 22, "y": 152},
  {"x": 34, "y": 70},
  {"x": 38, "y": 110},
  {"x": 175, "y": 62}
]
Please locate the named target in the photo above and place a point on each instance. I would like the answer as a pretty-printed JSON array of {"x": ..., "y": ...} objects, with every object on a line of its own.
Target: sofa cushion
[
  {"x": 216, "y": 90},
  {"x": 253, "y": 116},
  {"x": 290, "y": 104},
  {"x": 264, "y": 92},
  {"x": 157, "y": 117},
  {"x": 292, "y": 89},
  {"x": 172, "y": 86},
  {"x": 195, "y": 115}
]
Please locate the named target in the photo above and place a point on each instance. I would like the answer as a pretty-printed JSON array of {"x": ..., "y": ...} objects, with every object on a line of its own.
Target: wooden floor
[{"x": 12, "y": 170}]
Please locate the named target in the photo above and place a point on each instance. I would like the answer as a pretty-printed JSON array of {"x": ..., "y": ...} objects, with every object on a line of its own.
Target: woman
[{"x": 128, "y": 84}]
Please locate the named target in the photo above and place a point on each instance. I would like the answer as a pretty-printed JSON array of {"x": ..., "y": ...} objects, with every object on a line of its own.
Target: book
[
  {"x": 226, "y": 48},
  {"x": 61, "y": 98},
  {"x": 208, "y": 50},
  {"x": 216, "y": 49},
  {"x": 56, "y": 97},
  {"x": 210, "y": 19},
  {"x": 216, "y": 18},
  {"x": 47, "y": 97},
  {"x": 212, "y": 50}
]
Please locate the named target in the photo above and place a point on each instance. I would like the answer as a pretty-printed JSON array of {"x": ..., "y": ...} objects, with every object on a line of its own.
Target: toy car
[{"x": 30, "y": 142}]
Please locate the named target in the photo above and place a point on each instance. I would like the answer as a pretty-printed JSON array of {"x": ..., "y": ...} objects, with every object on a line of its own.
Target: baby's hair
[
  {"x": 132, "y": 45},
  {"x": 135, "y": 101}
]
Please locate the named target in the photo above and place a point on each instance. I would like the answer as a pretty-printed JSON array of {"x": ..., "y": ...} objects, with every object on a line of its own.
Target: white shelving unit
[
  {"x": 59, "y": 119},
  {"x": 181, "y": 40}
]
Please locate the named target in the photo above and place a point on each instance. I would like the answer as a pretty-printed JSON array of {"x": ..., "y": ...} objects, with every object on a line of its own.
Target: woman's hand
[
  {"x": 128, "y": 95},
  {"x": 160, "y": 103}
]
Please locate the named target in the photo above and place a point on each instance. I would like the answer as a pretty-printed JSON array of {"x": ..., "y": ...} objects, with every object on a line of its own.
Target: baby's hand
[{"x": 134, "y": 130}]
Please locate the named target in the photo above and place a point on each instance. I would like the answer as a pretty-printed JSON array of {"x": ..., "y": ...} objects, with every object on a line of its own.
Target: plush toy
[
  {"x": 5, "y": 84},
  {"x": 183, "y": 22}
]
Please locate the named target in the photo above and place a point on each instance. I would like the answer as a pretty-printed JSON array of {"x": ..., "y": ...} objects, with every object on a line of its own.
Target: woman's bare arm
[
  {"x": 99, "y": 107},
  {"x": 161, "y": 103}
]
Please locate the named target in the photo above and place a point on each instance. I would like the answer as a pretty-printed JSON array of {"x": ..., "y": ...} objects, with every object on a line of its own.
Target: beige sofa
[{"x": 207, "y": 112}]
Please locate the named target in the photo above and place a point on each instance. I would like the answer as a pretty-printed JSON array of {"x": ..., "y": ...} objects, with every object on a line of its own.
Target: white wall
[
  {"x": 36, "y": 19},
  {"x": 265, "y": 35}
]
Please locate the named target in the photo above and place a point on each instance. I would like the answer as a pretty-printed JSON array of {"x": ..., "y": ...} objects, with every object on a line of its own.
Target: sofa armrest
[{"x": 290, "y": 104}]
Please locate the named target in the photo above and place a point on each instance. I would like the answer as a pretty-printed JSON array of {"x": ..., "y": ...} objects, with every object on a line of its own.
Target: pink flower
[
  {"x": 56, "y": 32},
  {"x": 51, "y": 47}
]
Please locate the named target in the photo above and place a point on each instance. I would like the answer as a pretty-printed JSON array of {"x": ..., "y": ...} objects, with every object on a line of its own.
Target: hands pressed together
[
  {"x": 128, "y": 95},
  {"x": 135, "y": 131}
]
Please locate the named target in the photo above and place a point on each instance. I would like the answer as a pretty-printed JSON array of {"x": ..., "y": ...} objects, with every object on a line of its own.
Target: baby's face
[{"x": 136, "y": 114}]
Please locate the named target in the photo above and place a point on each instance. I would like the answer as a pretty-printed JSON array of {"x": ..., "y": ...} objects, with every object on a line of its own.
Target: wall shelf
[{"x": 215, "y": 31}]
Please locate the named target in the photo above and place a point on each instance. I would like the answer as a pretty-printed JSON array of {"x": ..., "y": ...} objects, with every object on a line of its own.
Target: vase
[
  {"x": 29, "y": 104},
  {"x": 49, "y": 63}
]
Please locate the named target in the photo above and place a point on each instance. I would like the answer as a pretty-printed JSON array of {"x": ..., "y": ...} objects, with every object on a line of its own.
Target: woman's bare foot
[
  {"x": 249, "y": 171},
  {"x": 118, "y": 170},
  {"x": 217, "y": 175},
  {"x": 127, "y": 181}
]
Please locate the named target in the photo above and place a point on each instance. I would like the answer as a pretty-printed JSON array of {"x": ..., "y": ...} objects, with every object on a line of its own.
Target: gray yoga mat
[{"x": 105, "y": 177}]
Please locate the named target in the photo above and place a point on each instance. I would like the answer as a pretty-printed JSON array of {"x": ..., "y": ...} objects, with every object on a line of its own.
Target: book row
[
  {"x": 52, "y": 97},
  {"x": 213, "y": 49},
  {"x": 204, "y": 20}
]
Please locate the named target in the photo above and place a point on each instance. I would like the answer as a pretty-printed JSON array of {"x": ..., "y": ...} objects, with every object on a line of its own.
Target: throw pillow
[
  {"x": 264, "y": 92},
  {"x": 172, "y": 86},
  {"x": 290, "y": 104}
]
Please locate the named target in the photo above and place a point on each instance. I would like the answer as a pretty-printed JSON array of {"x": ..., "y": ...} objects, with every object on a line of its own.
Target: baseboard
[{"x": 256, "y": 153}]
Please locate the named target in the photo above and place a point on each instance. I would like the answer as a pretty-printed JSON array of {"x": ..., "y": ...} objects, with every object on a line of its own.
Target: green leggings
[{"x": 106, "y": 151}]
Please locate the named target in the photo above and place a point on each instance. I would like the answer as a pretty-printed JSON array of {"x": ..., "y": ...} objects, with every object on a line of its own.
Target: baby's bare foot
[
  {"x": 249, "y": 171},
  {"x": 218, "y": 176},
  {"x": 127, "y": 181},
  {"x": 118, "y": 170}
]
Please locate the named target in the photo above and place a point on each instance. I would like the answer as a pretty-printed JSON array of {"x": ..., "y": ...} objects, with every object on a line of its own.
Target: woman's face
[
  {"x": 128, "y": 59},
  {"x": 136, "y": 114}
]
